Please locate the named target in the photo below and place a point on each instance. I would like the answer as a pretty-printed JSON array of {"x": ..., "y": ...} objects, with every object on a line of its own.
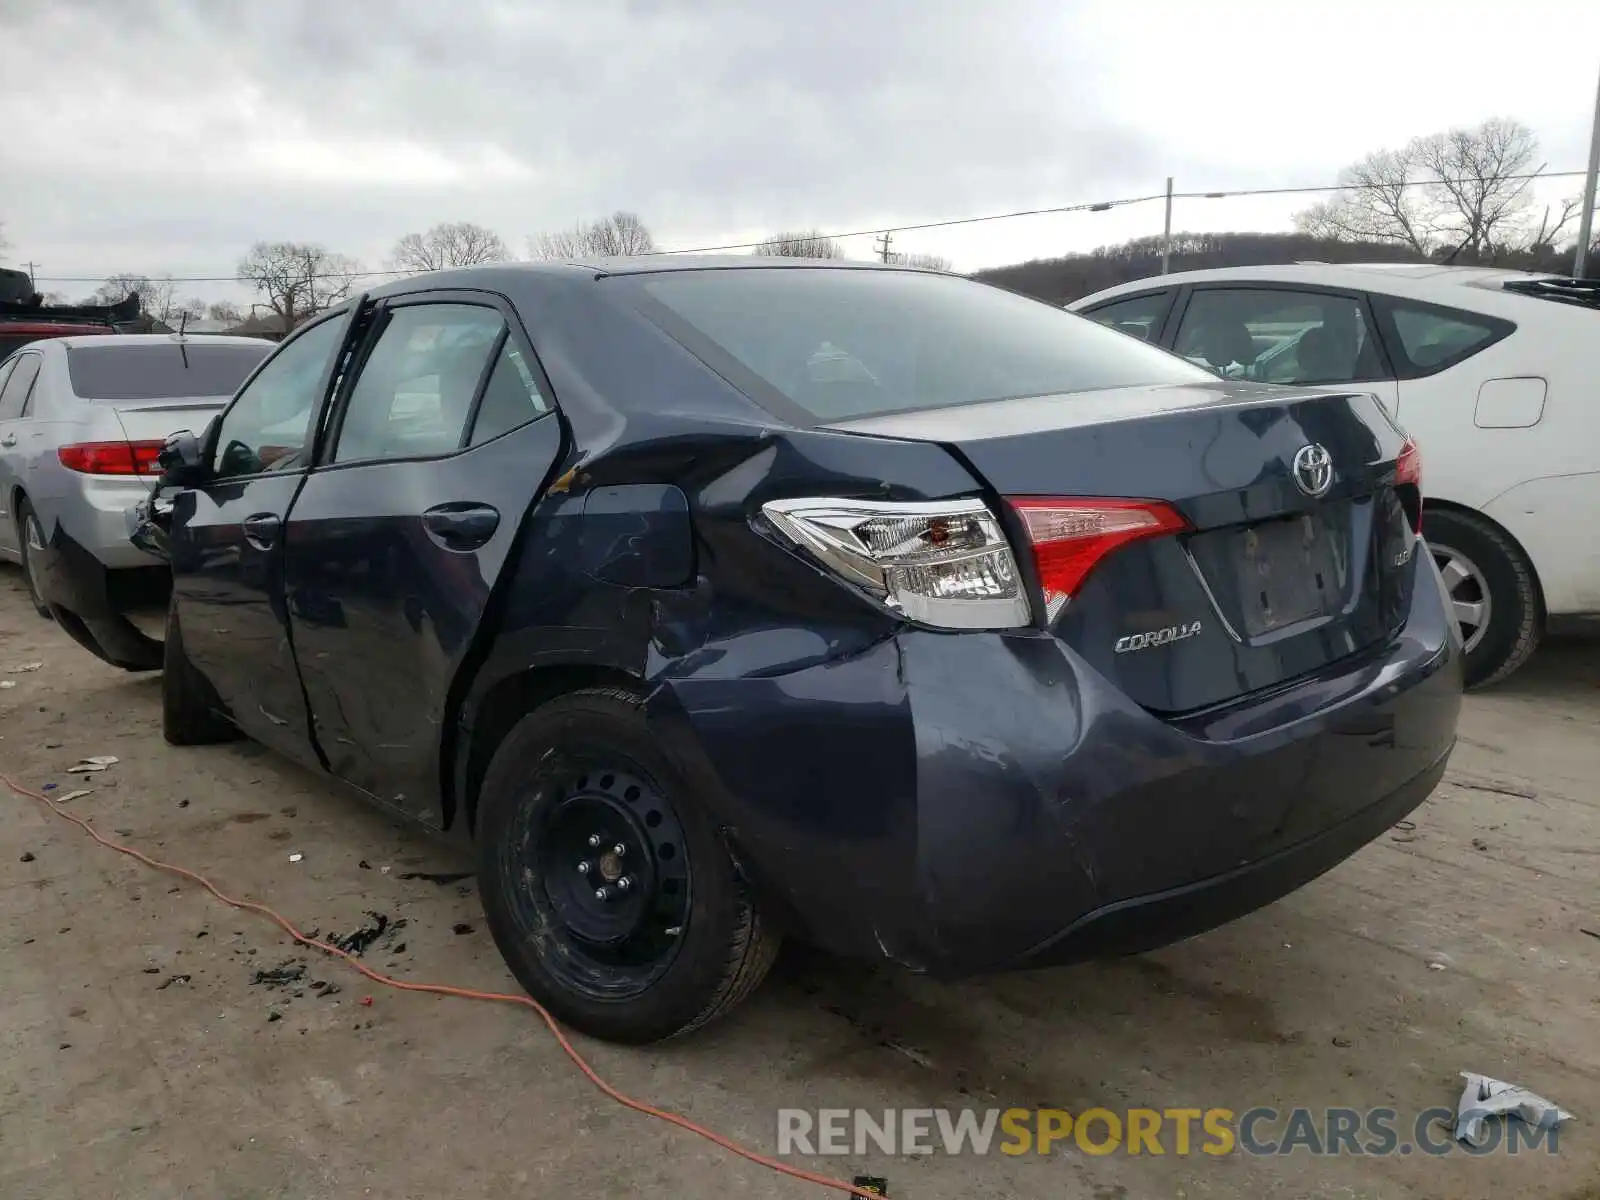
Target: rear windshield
[
  {"x": 162, "y": 371},
  {"x": 846, "y": 343}
]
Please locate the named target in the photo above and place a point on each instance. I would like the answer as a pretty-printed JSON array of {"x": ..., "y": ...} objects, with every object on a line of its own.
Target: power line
[{"x": 881, "y": 230}]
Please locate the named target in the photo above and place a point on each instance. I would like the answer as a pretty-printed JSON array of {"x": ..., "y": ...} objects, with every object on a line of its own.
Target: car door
[
  {"x": 226, "y": 544},
  {"x": 1297, "y": 334},
  {"x": 14, "y": 440},
  {"x": 435, "y": 452}
]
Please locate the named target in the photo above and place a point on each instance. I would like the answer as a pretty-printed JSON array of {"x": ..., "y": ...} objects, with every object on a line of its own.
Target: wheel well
[
  {"x": 513, "y": 698},
  {"x": 1431, "y": 505}
]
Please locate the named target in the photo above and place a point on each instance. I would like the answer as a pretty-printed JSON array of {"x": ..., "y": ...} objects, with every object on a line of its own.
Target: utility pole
[
  {"x": 882, "y": 241},
  {"x": 32, "y": 282},
  {"x": 1166, "y": 232},
  {"x": 1586, "y": 220}
]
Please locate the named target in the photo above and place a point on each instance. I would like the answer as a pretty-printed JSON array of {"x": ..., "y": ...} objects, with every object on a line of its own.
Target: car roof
[
  {"x": 491, "y": 274},
  {"x": 125, "y": 341},
  {"x": 1419, "y": 280}
]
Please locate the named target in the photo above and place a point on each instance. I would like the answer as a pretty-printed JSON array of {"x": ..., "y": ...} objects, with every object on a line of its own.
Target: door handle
[
  {"x": 462, "y": 526},
  {"x": 261, "y": 530},
  {"x": 10, "y": 439}
]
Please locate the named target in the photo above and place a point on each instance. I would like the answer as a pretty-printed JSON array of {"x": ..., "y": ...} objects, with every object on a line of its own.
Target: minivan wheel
[
  {"x": 189, "y": 715},
  {"x": 1492, "y": 590},
  {"x": 605, "y": 886},
  {"x": 30, "y": 537}
]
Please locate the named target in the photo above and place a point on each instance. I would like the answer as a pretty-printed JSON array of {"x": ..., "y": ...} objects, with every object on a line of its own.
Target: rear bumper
[
  {"x": 969, "y": 802},
  {"x": 90, "y": 601}
]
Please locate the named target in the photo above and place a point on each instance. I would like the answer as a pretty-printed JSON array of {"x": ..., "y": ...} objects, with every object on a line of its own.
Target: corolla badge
[
  {"x": 1156, "y": 637},
  {"x": 1313, "y": 470}
]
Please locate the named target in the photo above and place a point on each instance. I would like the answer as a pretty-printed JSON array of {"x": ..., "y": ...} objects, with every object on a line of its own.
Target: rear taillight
[
  {"x": 944, "y": 563},
  {"x": 1071, "y": 536},
  {"x": 1408, "y": 471},
  {"x": 111, "y": 458}
]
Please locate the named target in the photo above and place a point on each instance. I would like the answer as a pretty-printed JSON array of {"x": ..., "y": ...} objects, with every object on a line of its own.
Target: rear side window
[
  {"x": 833, "y": 344},
  {"x": 1425, "y": 338},
  {"x": 510, "y": 399},
  {"x": 14, "y": 396},
  {"x": 163, "y": 370},
  {"x": 1137, "y": 316},
  {"x": 1275, "y": 335},
  {"x": 415, "y": 391}
]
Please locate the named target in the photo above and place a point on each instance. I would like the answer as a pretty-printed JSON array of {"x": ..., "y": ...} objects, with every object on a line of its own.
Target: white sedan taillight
[{"x": 944, "y": 562}]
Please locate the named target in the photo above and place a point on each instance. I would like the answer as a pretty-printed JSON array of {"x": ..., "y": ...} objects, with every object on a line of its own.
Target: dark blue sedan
[{"x": 719, "y": 599}]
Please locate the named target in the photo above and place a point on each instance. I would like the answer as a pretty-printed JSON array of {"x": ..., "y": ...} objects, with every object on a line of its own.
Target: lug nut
[
  {"x": 603, "y": 893},
  {"x": 625, "y": 882},
  {"x": 619, "y": 849},
  {"x": 594, "y": 839},
  {"x": 583, "y": 867}
]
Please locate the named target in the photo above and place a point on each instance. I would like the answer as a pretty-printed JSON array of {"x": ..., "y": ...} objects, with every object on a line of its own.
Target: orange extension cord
[{"x": 440, "y": 989}]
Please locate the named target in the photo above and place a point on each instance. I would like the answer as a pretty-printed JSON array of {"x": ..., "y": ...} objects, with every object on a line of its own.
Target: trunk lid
[
  {"x": 1269, "y": 581},
  {"x": 155, "y": 420}
]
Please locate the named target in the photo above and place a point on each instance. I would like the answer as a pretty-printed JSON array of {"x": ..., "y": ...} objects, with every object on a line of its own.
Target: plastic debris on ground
[
  {"x": 7, "y": 683},
  {"x": 24, "y": 668},
  {"x": 296, "y": 857},
  {"x": 1484, "y": 1097},
  {"x": 97, "y": 763}
]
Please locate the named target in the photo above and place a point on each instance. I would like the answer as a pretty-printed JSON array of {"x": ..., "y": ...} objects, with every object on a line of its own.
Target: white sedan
[{"x": 1495, "y": 373}]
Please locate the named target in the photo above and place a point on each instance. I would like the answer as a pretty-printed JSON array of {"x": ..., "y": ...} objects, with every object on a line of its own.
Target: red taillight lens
[
  {"x": 1071, "y": 536},
  {"x": 1408, "y": 470},
  {"x": 1408, "y": 467},
  {"x": 111, "y": 458}
]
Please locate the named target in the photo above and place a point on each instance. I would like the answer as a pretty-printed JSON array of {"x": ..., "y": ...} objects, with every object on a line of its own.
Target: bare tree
[
  {"x": 297, "y": 280},
  {"x": 1474, "y": 182},
  {"x": 1463, "y": 190},
  {"x": 622, "y": 233},
  {"x": 224, "y": 310},
  {"x": 155, "y": 294},
  {"x": 806, "y": 244},
  {"x": 927, "y": 262},
  {"x": 452, "y": 244},
  {"x": 1548, "y": 230},
  {"x": 1375, "y": 204},
  {"x": 4, "y": 245}
]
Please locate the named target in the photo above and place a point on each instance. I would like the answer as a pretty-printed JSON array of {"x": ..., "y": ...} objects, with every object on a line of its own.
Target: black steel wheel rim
[{"x": 603, "y": 885}]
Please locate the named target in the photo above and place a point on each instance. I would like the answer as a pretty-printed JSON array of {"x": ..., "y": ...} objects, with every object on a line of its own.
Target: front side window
[
  {"x": 1272, "y": 335},
  {"x": 416, "y": 387},
  {"x": 839, "y": 343},
  {"x": 1427, "y": 338},
  {"x": 265, "y": 428},
  {"x": 1137, "y": 316}
]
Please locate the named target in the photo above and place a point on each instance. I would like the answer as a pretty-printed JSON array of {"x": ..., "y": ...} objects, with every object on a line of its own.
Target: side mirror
[{"x": 181, "y": 460}]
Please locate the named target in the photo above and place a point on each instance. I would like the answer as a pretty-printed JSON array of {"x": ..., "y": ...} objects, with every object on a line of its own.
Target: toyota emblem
[{"x": 1313, "y": 470}]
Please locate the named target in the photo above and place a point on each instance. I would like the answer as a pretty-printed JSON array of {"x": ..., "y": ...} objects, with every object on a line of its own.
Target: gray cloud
[{"x": 187, "y": 128}]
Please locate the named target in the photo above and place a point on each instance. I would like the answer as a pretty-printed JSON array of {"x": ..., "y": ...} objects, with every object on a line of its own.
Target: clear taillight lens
[{"x": 943, "y": 563}]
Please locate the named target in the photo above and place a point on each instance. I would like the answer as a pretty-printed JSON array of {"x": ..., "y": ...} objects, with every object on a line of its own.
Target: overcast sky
[{"x": 158, "y": 136}]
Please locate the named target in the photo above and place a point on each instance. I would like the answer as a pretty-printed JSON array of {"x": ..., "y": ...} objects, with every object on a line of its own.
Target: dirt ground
[{"x": 139, "y": 1059}]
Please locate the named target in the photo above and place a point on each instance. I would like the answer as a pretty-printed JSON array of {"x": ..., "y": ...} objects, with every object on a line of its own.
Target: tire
[
  {"x": 29, "y": 531},
  {"x": 189, "y": 705},
  {"x": 682, "y": 946},
  {"x": 1488, "y": 575}
]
